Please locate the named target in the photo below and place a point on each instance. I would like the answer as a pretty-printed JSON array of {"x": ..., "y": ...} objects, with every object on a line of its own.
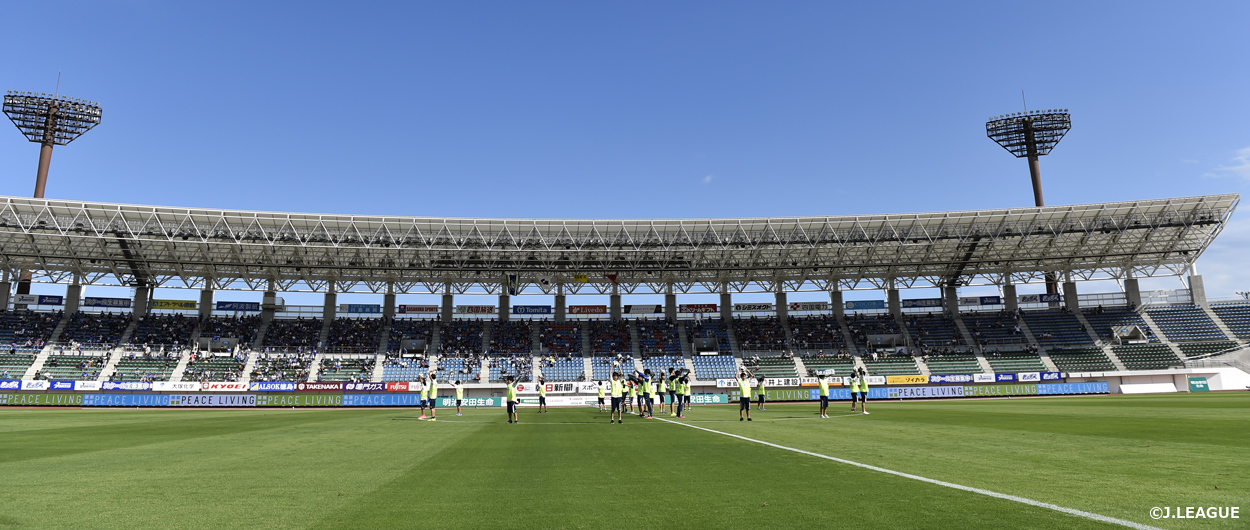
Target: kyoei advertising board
[{"x": 223, "y": 386}]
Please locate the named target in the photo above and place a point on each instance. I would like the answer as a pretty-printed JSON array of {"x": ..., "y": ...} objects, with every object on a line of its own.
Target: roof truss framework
[{"x": 104, "y": 243}]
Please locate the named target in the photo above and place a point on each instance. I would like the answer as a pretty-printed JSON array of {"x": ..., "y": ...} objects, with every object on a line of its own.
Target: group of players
[{"x": 646, "y": 390}]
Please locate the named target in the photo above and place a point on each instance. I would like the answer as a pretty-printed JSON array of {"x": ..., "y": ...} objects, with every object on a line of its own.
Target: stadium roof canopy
[{"x": 100, "y": 243}]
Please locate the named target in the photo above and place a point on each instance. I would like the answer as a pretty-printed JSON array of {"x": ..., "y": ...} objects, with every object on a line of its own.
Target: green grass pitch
[{"x": 1116, "y": 456}]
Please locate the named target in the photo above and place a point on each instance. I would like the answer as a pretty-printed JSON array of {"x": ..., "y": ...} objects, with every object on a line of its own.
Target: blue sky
[{"x": 649, "y": 109}]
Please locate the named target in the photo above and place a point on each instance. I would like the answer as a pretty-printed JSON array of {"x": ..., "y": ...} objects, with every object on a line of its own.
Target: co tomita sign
[{"x": 531, "y": 310}]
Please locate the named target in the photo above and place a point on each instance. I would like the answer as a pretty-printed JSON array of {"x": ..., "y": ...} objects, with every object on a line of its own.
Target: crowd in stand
[
  {"x": 815, "y": 331},
  {"x": 354, "y": 335},
  {"x": 362, "y": 369},
  {"x": 168, "y": 359},
  {"x": 510, "y": 337},
  {"x": 563, "y": 338},
  {"x": 27, "y": 329},
  {"x": 209, "y": 368},
  {"x": 96, "y": 328},
  {"x": 163, "y": 330},
  {"x": 520, "y": 367},
  {"x": 298, "y": 335},
  {"x": 760, "y": 334},
  {"x": 610, "y": 336},
  {"x": 461, "y": 337},
  {"x": 242, "y": 328},
  {"x": 862, "y": 325},
  {"x": 291, "y": 367}
]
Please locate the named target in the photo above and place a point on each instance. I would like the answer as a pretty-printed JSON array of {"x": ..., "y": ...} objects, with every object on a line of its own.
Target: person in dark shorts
[
  {"x": 433, "y": 397},
  {"x": 824, "y": 395},
  {"x": 863, "y": 390},
  {"x": 599, "y": 390},
  {"x": 542, "y": 396},
  {"x": 511, "y": 398},
  {"x": 618, "y": 393},
  {"x": 673, "y": 395},
  {"x": 459, "y": 396},
  {"x": 744, "y": 399},
  {"x": 760, "y": 391}
]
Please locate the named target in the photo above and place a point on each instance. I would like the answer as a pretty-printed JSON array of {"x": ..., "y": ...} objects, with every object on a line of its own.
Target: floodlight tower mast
[
  {"x": 48, "y": 119},
  {"x": 1032, "y": 134}
]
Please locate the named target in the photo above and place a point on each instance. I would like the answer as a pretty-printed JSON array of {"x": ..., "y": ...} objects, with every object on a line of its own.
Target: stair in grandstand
[
  {"x": 800, "y": 366},
  {"x": 1215, "y": 319},
  {"x": 110, "y": 366},
  {"x": 1147, "y": 356},
  {"x": 314, "y": 368},
  {"x": 136, "y": 366},
  {"x": 687, "y": 348},
  {"x": 584, "y": 326},
  {"x": 379, "y": 362},
  {"x": 384, "y": 337},
  {"x": 176, "y": 375},
  {"x": 1081, "y": 359},
  {"x": 1235, "y": 316},
  {"x": 249, "y": 365},
  {"x": 40, "y": 359}
]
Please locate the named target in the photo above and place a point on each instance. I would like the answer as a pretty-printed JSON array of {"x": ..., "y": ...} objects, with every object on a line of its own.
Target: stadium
[{"x": 205, "y": 398}]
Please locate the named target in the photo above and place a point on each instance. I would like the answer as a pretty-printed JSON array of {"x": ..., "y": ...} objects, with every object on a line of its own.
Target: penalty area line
[{"x": 988, "y": 493}]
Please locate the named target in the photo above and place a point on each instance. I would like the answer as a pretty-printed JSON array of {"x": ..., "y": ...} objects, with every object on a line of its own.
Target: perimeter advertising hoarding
[
  {"x": 271, "y": 387},
  {"x": 474, "y": 402},
  {"x": 809, "y": 306},
  {"x": 238, "y": 306},
  {"x": 906, "y": 380},
  {"x": 182, "y": 386},
  {"x": 11, "y": 384},
  {"x": 212, "y": 400},
  {"x": 38, "y": 299},
  {"x": 418, "y": 309},
  {"x": 87, "y": 386},
  {"x": 1039, "y": 298},
  {"x": 360, "y": 308},
  {"x": 188, "y": 305},
  {"x": 126, "y": 385},
  {"x": 318, "y": 387},
  {"x": 61, "y": 385},
  {"x": 18, "y": 400},
  {"x": 1029, "y": 377},
  {"x": 223, "y": 386},
  {"x": 561, "y": 401},
  {"x": 1096, "y": 387},
  {"x": 531, "y": 310},
  {"x": 980, "y": 300},
  {"x": 697, "y": 308},
  {"x": 921, "y": 302},
  {"x": 643, "y": 309},
  {"x": 476, "y": 309},
  {"x": 950, "y": 378},
  {"x": 364, "y": 387},
  {"x": 982, "y": 378},
  {"x": 999, "y": 390},
  {"x": 1004, "y": 378},
  {"x": 95, "y": 301},
  {"x": 914, "y": 392},
  {"x": 299, "y": 400},
  {"x": 589, "y": 309},
  {"x": 125, "y": 400}
]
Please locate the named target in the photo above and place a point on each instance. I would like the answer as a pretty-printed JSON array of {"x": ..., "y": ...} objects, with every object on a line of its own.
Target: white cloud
[
  {"x": 1240, "y": 167},
  {"x": 1223, "y": 265},
  {"x": 708, "y": 179}
]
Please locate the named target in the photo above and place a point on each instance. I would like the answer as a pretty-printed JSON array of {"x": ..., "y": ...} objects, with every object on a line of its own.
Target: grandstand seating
[
  {"x": 520, "y": 367},
  {"x": 464, "y": 369},
  {"x": 891, "y": 365},
  {"x": 709, "y": 367},
  {"x": 1008, "y": 362},
  {"x": 661, "y": 363},
  {"x": 293, "y": 334},
  {"x": 995, "y": 330},
  {"x": 1106, "y": 320},
  {"x": 285, "y": 367},
  {"x": 772, "y": 366},
  {"x": 762, "y": 334},
  {"x": 1088, "y": 359},
  {"x": 933, "y": 331},
  {"x": 862, "y": 325},
  {"x": 1146, "y": 356},
  {"x": 962, "y": 363},
  {"x": 840, "y": 365},
  {"x": 414, "y": 329},
  {"x": 102, "y": 330},
  {"x": 406, "y": 369},
  {"x": 26, "y": 331},
  {"x": 709, "y": 328},
  {"x": 464, "y": 336},
  {"x": 560, "y": 337},
  {"x": 242, "y": 328},
  {"x": 345, "y": 368},
  {"x": 214, "y": 368},
  {"x": 1195, "y": 349},
  {"x": 164, "y": 329},
  {"x": 654, "y": 336},
  {"x": 136, "y": 366},
  {"x": 13, "y": 367},
  {"x": 1236, "y": 317},
  {"x": 1185, "y": 322},
  {"x": 1055, "y": 328},
  {"x": 354, "y": 335},
  {"x": 564, "y": 369},
  {"x": 72, "y": 367},
  {"x": 510, "y": 337},
  {"x": 815, "y": 332}
]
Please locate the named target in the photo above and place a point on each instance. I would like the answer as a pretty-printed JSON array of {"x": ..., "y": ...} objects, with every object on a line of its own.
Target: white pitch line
[{"x": 1022, "y": 500}]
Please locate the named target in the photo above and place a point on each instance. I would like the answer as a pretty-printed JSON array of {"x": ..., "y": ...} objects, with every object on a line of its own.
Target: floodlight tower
[
  {"x": 1032, "y": 134},
  {"x": 48, "y": 119}
]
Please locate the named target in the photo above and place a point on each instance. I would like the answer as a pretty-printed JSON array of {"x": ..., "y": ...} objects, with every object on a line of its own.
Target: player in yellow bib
[
  {"x": 744, "y": 398},
  {"x": 760, "y": 391},
  {"x": 824, "y": 395},
  {"x": 542, "y": 396},
  {"x": 459, "y": 396},
  {"x": 618, "y": 394},
  {"x": 863, "y": 390},
  {"x": 511, "y": 398},
  {"x": 433, "y": 395},
  {"x": 599, "y": 389},
  {"x": 425, "y": 395}
]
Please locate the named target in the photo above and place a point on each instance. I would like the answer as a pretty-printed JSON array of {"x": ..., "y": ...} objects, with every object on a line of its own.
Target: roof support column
[
  {"x": 388, "y": 302},
  {"x": 836, "y": 304},
  {"x": 1069, "y": 296},
  {"x": 893, "y": 302},
  {"x": 614, "y": 303},
  {"x": 670, "y": 303},
  {"x": 726, "y": 303},
  {"x": 783, "y": 307},
  {"x": 1197, "y": 290},
  {"x": 447, "y": 304},
  {"x": 206, "y": 303},
  {"x": 6, "y": 288},
  {"x": 560, "y": 303},
  {"x": 1010, "y": 300},
  {"x": 73, "y": 296},
  {"x": 950, "y": 299},
  {"x": 504, "y": 307},
  {"x": 327, "y": 311},
  {"x": 143, "y": 293},
  {"x": 1131, "y": 291},
  {"x": 268, "y": 303}
]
